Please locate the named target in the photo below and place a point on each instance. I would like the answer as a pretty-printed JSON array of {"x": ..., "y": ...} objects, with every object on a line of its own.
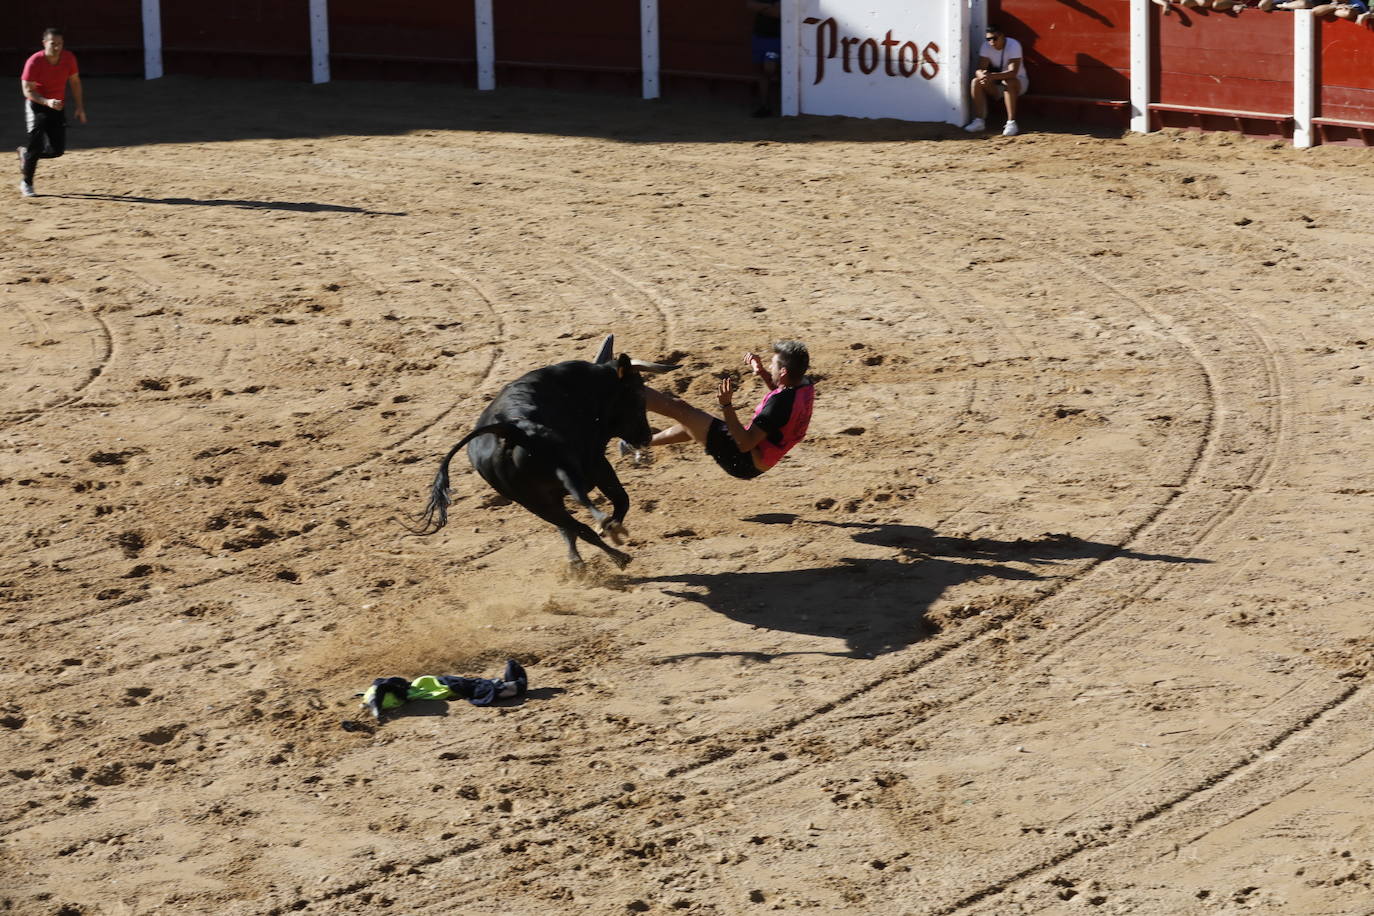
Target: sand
[{"x": 1064, "y": 602}]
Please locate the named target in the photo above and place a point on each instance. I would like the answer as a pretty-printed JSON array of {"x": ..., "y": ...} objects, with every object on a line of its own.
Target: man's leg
[
  {"x": 1011, "y": 91},
  {"x": 691, "y": 422},
  {"x": 47, "y": 138},
  {"x": 33, "y": 142},
  {"x": 978, "y": 92}
]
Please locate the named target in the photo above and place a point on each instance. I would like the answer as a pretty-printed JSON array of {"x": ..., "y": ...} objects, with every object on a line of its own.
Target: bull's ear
[{"x": 624, "y": 366}]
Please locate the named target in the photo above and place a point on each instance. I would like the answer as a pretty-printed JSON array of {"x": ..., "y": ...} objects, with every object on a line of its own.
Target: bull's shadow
[{"x": 879, "y": 605}]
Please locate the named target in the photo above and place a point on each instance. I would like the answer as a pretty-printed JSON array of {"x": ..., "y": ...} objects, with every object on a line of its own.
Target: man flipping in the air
[{"x": 779, "y": 421}]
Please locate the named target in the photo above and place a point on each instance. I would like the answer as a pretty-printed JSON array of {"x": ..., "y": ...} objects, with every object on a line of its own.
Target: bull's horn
[
  {"x": 607, "y": 351},
  {"x": 654, "y": 368}
]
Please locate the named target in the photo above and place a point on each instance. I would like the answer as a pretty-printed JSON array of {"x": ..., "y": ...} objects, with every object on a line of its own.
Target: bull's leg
[
  {"x": 574, "y": 558},
  {"x": 579, "y": 492},
  {"x": 608, "y": 483},
  {"x": 575, "y": 527},
  {"x": 555, "y": 514}
]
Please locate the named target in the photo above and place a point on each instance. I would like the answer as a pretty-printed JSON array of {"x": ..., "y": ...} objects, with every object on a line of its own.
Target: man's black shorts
[{"x": 721, "y": 446}]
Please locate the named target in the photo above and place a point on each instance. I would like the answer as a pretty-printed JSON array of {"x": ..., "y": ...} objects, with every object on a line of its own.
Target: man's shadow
[
  {"x": 288, "y": 205},
  {"x": 879, "y": 605}
]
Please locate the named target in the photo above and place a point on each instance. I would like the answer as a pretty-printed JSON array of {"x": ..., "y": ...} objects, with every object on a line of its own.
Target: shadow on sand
[
  {"x": 879, "y": 605},
  {"x": 292, "y": 206}
]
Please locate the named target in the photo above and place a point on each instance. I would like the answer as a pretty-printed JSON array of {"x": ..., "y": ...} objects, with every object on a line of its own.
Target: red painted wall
[
  {"x": 423, "y": 40},
  {"x": 1222, "y": 60},
  {"x": 246, "y": 38},
  {"x": 105, "y": 35},
  {"x": 1345, "y": 71},
  {"x": 1078, "y": 48}
]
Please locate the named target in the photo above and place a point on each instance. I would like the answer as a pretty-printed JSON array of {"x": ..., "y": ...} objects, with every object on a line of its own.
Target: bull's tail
[{"x": 435, "y": 515}]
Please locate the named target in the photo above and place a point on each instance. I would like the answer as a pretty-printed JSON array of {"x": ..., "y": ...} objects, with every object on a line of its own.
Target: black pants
[{"x": 47, "y": 135}]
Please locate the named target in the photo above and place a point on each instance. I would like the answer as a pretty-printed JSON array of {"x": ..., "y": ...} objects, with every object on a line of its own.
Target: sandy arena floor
[{"x": 1065, "y": 600}]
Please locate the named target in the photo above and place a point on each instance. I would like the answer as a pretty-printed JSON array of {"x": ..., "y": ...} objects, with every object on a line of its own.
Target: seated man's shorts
[
  {"x": 999, "y": 87},
  {"x": 720, "y": 446},
  {"x": 766, "y": 49}
]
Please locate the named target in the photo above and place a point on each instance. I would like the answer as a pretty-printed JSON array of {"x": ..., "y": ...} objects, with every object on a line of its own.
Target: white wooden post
[
  {"x": 152, "y": 39},
  {"x": 486, "y": 45},
  {"x": 977, "y": 28},
  {"x": 958, "y": 59},
  {"x": 319, "y": 41},
  {"x": 1140, "y": 66},
  {"x": 1304, "y": 72},
  {"x": 648, "y": 46},
  {"x": 789, "y": 68}
]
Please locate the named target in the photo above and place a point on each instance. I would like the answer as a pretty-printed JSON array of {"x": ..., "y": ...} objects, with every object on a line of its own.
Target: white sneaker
[
  {"x": 975, "y": 126},
  {"x": 1011, "y": 129},
  {"x": 26, "y": 188}
]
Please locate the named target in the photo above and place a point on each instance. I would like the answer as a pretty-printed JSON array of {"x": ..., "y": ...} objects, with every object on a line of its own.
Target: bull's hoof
[
  {"x": 616, "y": 531},
  {"x": 621, "y": 559}
]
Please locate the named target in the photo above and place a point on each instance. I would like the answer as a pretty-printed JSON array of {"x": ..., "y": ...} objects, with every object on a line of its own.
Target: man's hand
[
  {"x": 55, "y": 104},
  {"x": 755, "y": 364},
  {"x": 725, "y": 394},
  {"x": 81, "y": 115}
]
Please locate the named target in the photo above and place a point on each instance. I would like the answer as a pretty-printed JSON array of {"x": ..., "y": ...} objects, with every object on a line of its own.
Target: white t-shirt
[{"x": 1011, "y": 49}]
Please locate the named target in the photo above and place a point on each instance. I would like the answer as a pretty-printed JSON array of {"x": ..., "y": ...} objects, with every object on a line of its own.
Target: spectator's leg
[
  {"x": 977, "y": 91},
  {"x": 767, "y": 88},
  {"x": 1011, "y": 91}
]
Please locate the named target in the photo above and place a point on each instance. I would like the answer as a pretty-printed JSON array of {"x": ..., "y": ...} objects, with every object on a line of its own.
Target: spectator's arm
[{"x": 1013, "y": 68}]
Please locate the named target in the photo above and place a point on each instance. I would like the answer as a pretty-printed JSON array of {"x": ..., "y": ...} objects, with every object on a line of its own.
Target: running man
[
  {"x": 44, "y": 82},
  {"x": 779, "y": 422}
]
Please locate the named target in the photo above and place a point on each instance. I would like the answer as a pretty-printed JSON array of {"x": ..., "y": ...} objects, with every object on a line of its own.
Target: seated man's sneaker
[
  {"x": 1011, "y": 129},
  {"x": 975, "y": 126}
]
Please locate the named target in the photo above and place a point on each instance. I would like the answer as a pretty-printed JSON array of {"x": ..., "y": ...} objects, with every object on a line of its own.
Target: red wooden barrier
[
  {"x": 105, "y": 35},
  {"x": 425, "y": 40},
  {"x": 1345, "y": 74},
  {"x": 1224, "y": 71},
  {"x": 1078, "y": 55},
  {"x": 705, "y": 49},
  {"x": 246, "y": 38},
  {"x": 557, "y": 43}
]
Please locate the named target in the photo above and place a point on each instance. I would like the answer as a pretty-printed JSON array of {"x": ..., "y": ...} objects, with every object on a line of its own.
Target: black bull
[{"x": 543, "y": 438}]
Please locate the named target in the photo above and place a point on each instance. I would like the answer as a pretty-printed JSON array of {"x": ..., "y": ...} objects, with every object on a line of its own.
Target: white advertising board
[{"x": 884, "y": 59}]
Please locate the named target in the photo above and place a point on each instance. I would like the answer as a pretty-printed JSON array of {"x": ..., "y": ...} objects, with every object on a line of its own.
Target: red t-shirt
[{"x": 51, "y": 78}]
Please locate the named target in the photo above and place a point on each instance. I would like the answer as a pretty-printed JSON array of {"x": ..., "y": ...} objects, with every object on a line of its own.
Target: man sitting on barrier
[{"x": 1001, "y": 71}]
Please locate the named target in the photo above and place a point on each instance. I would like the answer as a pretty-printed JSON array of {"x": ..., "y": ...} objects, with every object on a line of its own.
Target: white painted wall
[{"x": 883, "y": 59}]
